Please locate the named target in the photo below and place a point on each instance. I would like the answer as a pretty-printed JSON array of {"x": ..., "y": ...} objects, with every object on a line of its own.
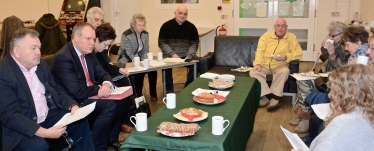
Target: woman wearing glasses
[
  {"x": 135, "y": 43},
  {"x": 333, "y": 56}
]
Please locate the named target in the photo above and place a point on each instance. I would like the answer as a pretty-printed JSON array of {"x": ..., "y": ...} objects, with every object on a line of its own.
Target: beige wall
[{"x": 365, "y": 13}]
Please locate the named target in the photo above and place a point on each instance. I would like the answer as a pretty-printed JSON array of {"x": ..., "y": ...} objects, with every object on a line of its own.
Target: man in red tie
[{"x": 76, "y": 69}]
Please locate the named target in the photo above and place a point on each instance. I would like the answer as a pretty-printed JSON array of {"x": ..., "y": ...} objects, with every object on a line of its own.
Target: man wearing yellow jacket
[{"x": 274, "y": 51}]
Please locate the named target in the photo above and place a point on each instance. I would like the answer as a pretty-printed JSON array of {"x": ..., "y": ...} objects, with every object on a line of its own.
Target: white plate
[
  {"x": 173, "y": 134},
  {"x": 216, "y": 101},
  {"x": 226, "y": 77},
  {"x": 220, "y": 88},
  {"x": 182, "y": 118}
]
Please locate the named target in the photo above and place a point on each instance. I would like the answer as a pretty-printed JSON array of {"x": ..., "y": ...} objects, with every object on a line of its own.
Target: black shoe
[{"x": 114, "y": 146}]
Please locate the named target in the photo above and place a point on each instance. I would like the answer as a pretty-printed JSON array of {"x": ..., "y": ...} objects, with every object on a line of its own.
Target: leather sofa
[{"x": 231, "y": 52}]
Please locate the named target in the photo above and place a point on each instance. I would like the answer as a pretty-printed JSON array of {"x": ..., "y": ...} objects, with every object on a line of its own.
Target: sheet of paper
[
  {"x": 120, "y": 90},
  {"x": 118, "y": 94},
  {"x": 133, "y": 69},
  {"x": 78, "y": 114},
  {"x": 173, "y": 60},
  {"x": 323, "y": 74},
  {"x": 322, "y": 110},
  {"x": 300, "y": 77},
  {"x": 209, "y": 75},
  {"x": 157, "y": 63},
  {"x": 199, "y": 90},
  {"x": 295, "y": 140},
  {"x": 139, "y": 101}
]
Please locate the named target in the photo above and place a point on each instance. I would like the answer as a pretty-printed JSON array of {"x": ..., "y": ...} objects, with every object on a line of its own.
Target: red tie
[{"x": 86, "y": 71}]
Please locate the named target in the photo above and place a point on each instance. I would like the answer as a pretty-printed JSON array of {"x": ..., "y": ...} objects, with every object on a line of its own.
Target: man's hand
[
  {"x": 256, "y": 68},
  {"x": 104, "y": 91},
  {"x": 124, "y": 71},
  {"x": 282, "y": 58},
  {"x": 73, "y": 109},
  {"x": 53, "y": 132},
  {"x": 175, "y": 56}
]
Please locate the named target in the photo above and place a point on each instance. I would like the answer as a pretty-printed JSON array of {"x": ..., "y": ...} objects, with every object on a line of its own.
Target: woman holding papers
[
  {"x": 333, "y": 56},
  {"x": 134, "y": 43},
  {"x": 350, "y": 125}
]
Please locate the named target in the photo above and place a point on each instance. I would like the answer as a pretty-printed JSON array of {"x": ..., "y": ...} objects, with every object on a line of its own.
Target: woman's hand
[
  {"x": 330, "y": 48},
  {"x": 124, "y": 71},
  {"x": 354, "y": 61}
]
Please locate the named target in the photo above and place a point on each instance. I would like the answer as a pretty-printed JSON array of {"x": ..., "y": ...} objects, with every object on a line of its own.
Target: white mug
[
  {"x": 217, "y": 125},
  {"x": 328, "y": 41},
  {"x": 150, "y": 56},
  {"x": 146, "y": 63},
  {"x": 141, "y": 121},
  {"x": 136, "y": 61},
  {"x": 170, "y": 100},
  {"x": 362, "y": 60},
  {"x": 159, "y": 56}
]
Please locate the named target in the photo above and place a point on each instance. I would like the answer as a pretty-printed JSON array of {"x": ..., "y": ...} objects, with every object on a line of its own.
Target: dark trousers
[
  {"x": 138, "y": 80},
  {"x": 169, "y": 77},
  {"x": 103, "y": 121},
  {"x": 78, "y": 131},
  {"x": 315, "y": 126}
]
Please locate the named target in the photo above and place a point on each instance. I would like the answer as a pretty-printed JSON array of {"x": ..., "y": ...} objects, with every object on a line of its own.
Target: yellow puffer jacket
[{"x": 270, "y": 45}]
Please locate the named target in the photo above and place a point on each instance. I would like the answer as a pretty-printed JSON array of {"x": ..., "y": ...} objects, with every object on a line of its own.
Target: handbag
[
  {"x": 138, "y": 104},
  {"x": 320, "y": 84}
]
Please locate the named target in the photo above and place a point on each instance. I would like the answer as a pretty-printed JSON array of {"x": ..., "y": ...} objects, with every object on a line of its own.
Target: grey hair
[
  {"x": 78, "y": 28},
  {"x": 20, "y": 34},
  {"x": 336, "y": 26},
  {"x": 94, "y": 10},
  {"x": 137, "y": 17}
]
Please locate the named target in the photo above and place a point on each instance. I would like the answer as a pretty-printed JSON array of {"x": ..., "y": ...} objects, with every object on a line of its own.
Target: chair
[
  {"x": 113, "y": 52},
  {"x": 10, "y": 25}
]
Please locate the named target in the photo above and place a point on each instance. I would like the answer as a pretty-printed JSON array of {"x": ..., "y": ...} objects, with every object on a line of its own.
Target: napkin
[
  {"x": 209, "y": 75},
  {"x": 199, "y": 90}
]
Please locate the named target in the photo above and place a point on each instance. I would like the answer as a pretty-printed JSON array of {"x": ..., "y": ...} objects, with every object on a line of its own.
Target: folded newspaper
[{"x": 82, "y": 112}]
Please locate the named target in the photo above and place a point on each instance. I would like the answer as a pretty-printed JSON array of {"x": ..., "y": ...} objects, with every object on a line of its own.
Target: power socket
[{"x": 334, "y": 13}]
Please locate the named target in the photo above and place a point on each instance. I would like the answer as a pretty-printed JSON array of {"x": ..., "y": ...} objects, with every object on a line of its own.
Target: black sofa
[{"x": 231, "y": 52}]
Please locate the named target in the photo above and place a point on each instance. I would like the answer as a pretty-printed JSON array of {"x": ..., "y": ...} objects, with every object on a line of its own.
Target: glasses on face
[
  {"x": 68, "y": 139},
  {"x": 333, "y": 36},
  {"x": 97, "y": 20}
]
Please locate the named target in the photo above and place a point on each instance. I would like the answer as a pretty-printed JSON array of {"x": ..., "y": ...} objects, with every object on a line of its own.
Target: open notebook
[{"x": 118, "y": 94}]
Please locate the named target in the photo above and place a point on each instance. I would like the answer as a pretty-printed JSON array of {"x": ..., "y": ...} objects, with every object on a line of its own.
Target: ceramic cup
[
  {"x": 146, "y": 63},
  {"x": 150, "y": 56},
  {"x": 141, "y": 121},
  {"x": 159, "y": 56},
  {"x": 170, "y": 100},
  {"x": 362, "y": 60},
  {"x": 217, "y": 125},
  {"x": 328, "y": 41},
  {"x": 136, "y": 61}
]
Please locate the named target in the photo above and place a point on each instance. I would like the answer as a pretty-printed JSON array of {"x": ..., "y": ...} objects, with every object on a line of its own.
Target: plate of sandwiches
[
  {"x": 191, "y": 115},
  {"x": 220, "y": 84},
  {"x": 178, "y": 129},
  {"x": 209, "y": 99}
]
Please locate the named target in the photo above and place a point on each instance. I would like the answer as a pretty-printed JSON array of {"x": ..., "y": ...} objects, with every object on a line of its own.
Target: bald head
[
  {"x": 280, "y": 27},
  {"x": 181, "y": 14}
]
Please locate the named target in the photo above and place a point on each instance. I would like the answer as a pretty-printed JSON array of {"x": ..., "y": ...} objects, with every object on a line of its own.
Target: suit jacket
[
  {"x": 68, "y": 72},
  {"x": 104, "y": 61},
  {"x": 17, "y": 110}
]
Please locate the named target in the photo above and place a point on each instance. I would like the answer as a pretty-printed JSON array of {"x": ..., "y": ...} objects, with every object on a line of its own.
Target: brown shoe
[
  {"x": 153, "y": 98},
  {"x": 303, "y": 127},
  {"x": 127, "y": 128}
]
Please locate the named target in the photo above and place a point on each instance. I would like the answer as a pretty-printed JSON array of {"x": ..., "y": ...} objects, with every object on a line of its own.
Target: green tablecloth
[{"x": 239, "y": 108}]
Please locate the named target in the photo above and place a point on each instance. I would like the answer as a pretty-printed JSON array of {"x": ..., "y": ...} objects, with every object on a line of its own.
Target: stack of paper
[
  {"x": 133, "y": 69},
  {"x": 173, "y": 60},
  {"x": 322, "y": 110},
  {"x": 78, "y": 114},
  {"x": 118, "y": 94},
  {"x": 295, "y": 140},
  {"x": 209, "y": 75},
  {"x": 199, "y": 90}
]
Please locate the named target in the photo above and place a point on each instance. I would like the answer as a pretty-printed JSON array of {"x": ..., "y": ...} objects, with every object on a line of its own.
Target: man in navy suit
[
  {"x": 76, "y": 69},
  {"x": 31, "y": 102}
]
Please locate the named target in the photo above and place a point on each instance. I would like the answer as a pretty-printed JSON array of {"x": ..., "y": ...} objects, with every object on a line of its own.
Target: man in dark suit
[
  {"x": 31, "y": 102},
  {"x": 76, "y": 69}
]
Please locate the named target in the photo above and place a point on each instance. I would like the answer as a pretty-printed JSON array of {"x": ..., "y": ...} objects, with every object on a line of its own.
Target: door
[{"x": 255, "y": 17}]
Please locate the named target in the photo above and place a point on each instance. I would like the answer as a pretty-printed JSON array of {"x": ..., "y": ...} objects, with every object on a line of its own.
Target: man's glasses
[{"x": 333, "y": 36}]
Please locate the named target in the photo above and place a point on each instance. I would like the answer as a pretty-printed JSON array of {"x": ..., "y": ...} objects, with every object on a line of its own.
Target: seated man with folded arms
[
  {"x": 178, "y": 38},
  {"x": 274, "y": 51},
  {"x": 76, "y": 69},
  {"x": 31, "y": 103}
]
